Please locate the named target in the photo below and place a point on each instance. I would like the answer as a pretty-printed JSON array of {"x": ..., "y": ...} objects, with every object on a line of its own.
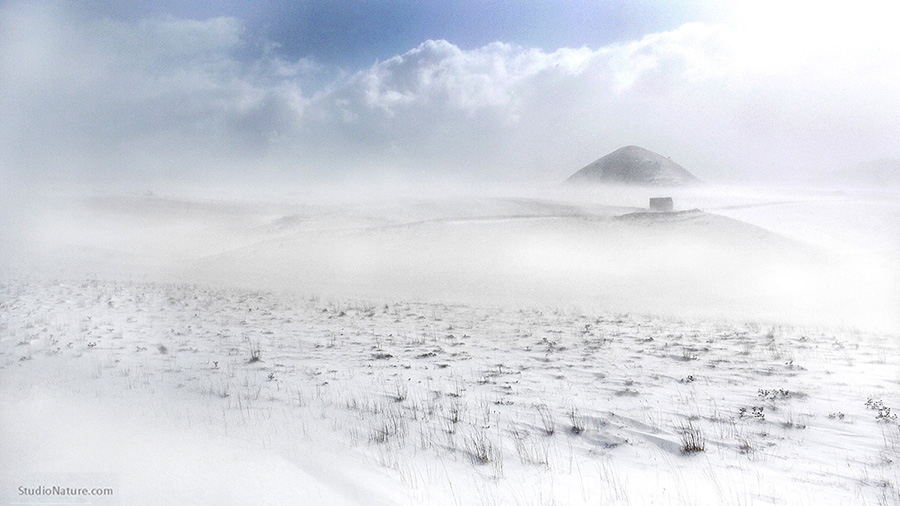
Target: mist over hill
[{"x": 811, "y": 257}]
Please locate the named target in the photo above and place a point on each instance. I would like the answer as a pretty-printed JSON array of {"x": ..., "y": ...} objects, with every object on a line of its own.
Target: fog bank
[{"x": 745, "y": 253}]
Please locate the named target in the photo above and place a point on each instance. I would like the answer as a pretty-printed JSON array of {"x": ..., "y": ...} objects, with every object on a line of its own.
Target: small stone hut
[{"x": 661, "y": 204}]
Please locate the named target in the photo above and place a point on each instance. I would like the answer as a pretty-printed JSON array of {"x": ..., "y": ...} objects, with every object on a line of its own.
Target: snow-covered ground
[{"x": 484, "y": 347}]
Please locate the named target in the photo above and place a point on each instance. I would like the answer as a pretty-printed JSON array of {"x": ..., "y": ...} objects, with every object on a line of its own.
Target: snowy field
[{"x": 461, "y": 347}]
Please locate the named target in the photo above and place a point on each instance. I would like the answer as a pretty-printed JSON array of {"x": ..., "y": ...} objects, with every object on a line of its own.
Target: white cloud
[
  {"x": 111, "y": 99},
  {"x": 107, "y": 99},
  {"x": 691, "y": 93}
]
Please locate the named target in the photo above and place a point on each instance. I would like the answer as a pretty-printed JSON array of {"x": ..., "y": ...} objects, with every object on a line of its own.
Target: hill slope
[{"x": 637, "y": 166}]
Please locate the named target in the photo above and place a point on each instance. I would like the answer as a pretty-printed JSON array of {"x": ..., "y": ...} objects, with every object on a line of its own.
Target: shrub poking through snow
[
  {"x": 758, "y": 412},
  {"x": 577, "y": 422},
  {"x": 547, "y": 422},
  {"x": 692, "y": 439},
  {"x": 482, "y": 451},
  {"x": 531, "y": 450},
  {"x": 883, "y": 412},
  {"x": 401, "y": 391},
  {"x": 392, "y": 427},
  {"x": 255, "y": 354},
  {"x": 774, "y": 394}
]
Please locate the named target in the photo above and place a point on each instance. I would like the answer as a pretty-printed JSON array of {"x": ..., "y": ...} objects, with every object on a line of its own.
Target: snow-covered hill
[{"x": 633, "y": 165}]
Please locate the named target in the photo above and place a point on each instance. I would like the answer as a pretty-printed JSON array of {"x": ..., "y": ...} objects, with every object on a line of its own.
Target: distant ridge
[
  {"x": 634, "y": 165},
  {"x": 871, "y": 174}
]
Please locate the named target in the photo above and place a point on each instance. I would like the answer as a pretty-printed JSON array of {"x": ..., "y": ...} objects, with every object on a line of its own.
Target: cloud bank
[{"x": 99, "y": 100}]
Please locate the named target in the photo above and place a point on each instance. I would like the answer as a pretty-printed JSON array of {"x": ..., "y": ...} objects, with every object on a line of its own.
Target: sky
[{"x": 145, "y": 92}]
